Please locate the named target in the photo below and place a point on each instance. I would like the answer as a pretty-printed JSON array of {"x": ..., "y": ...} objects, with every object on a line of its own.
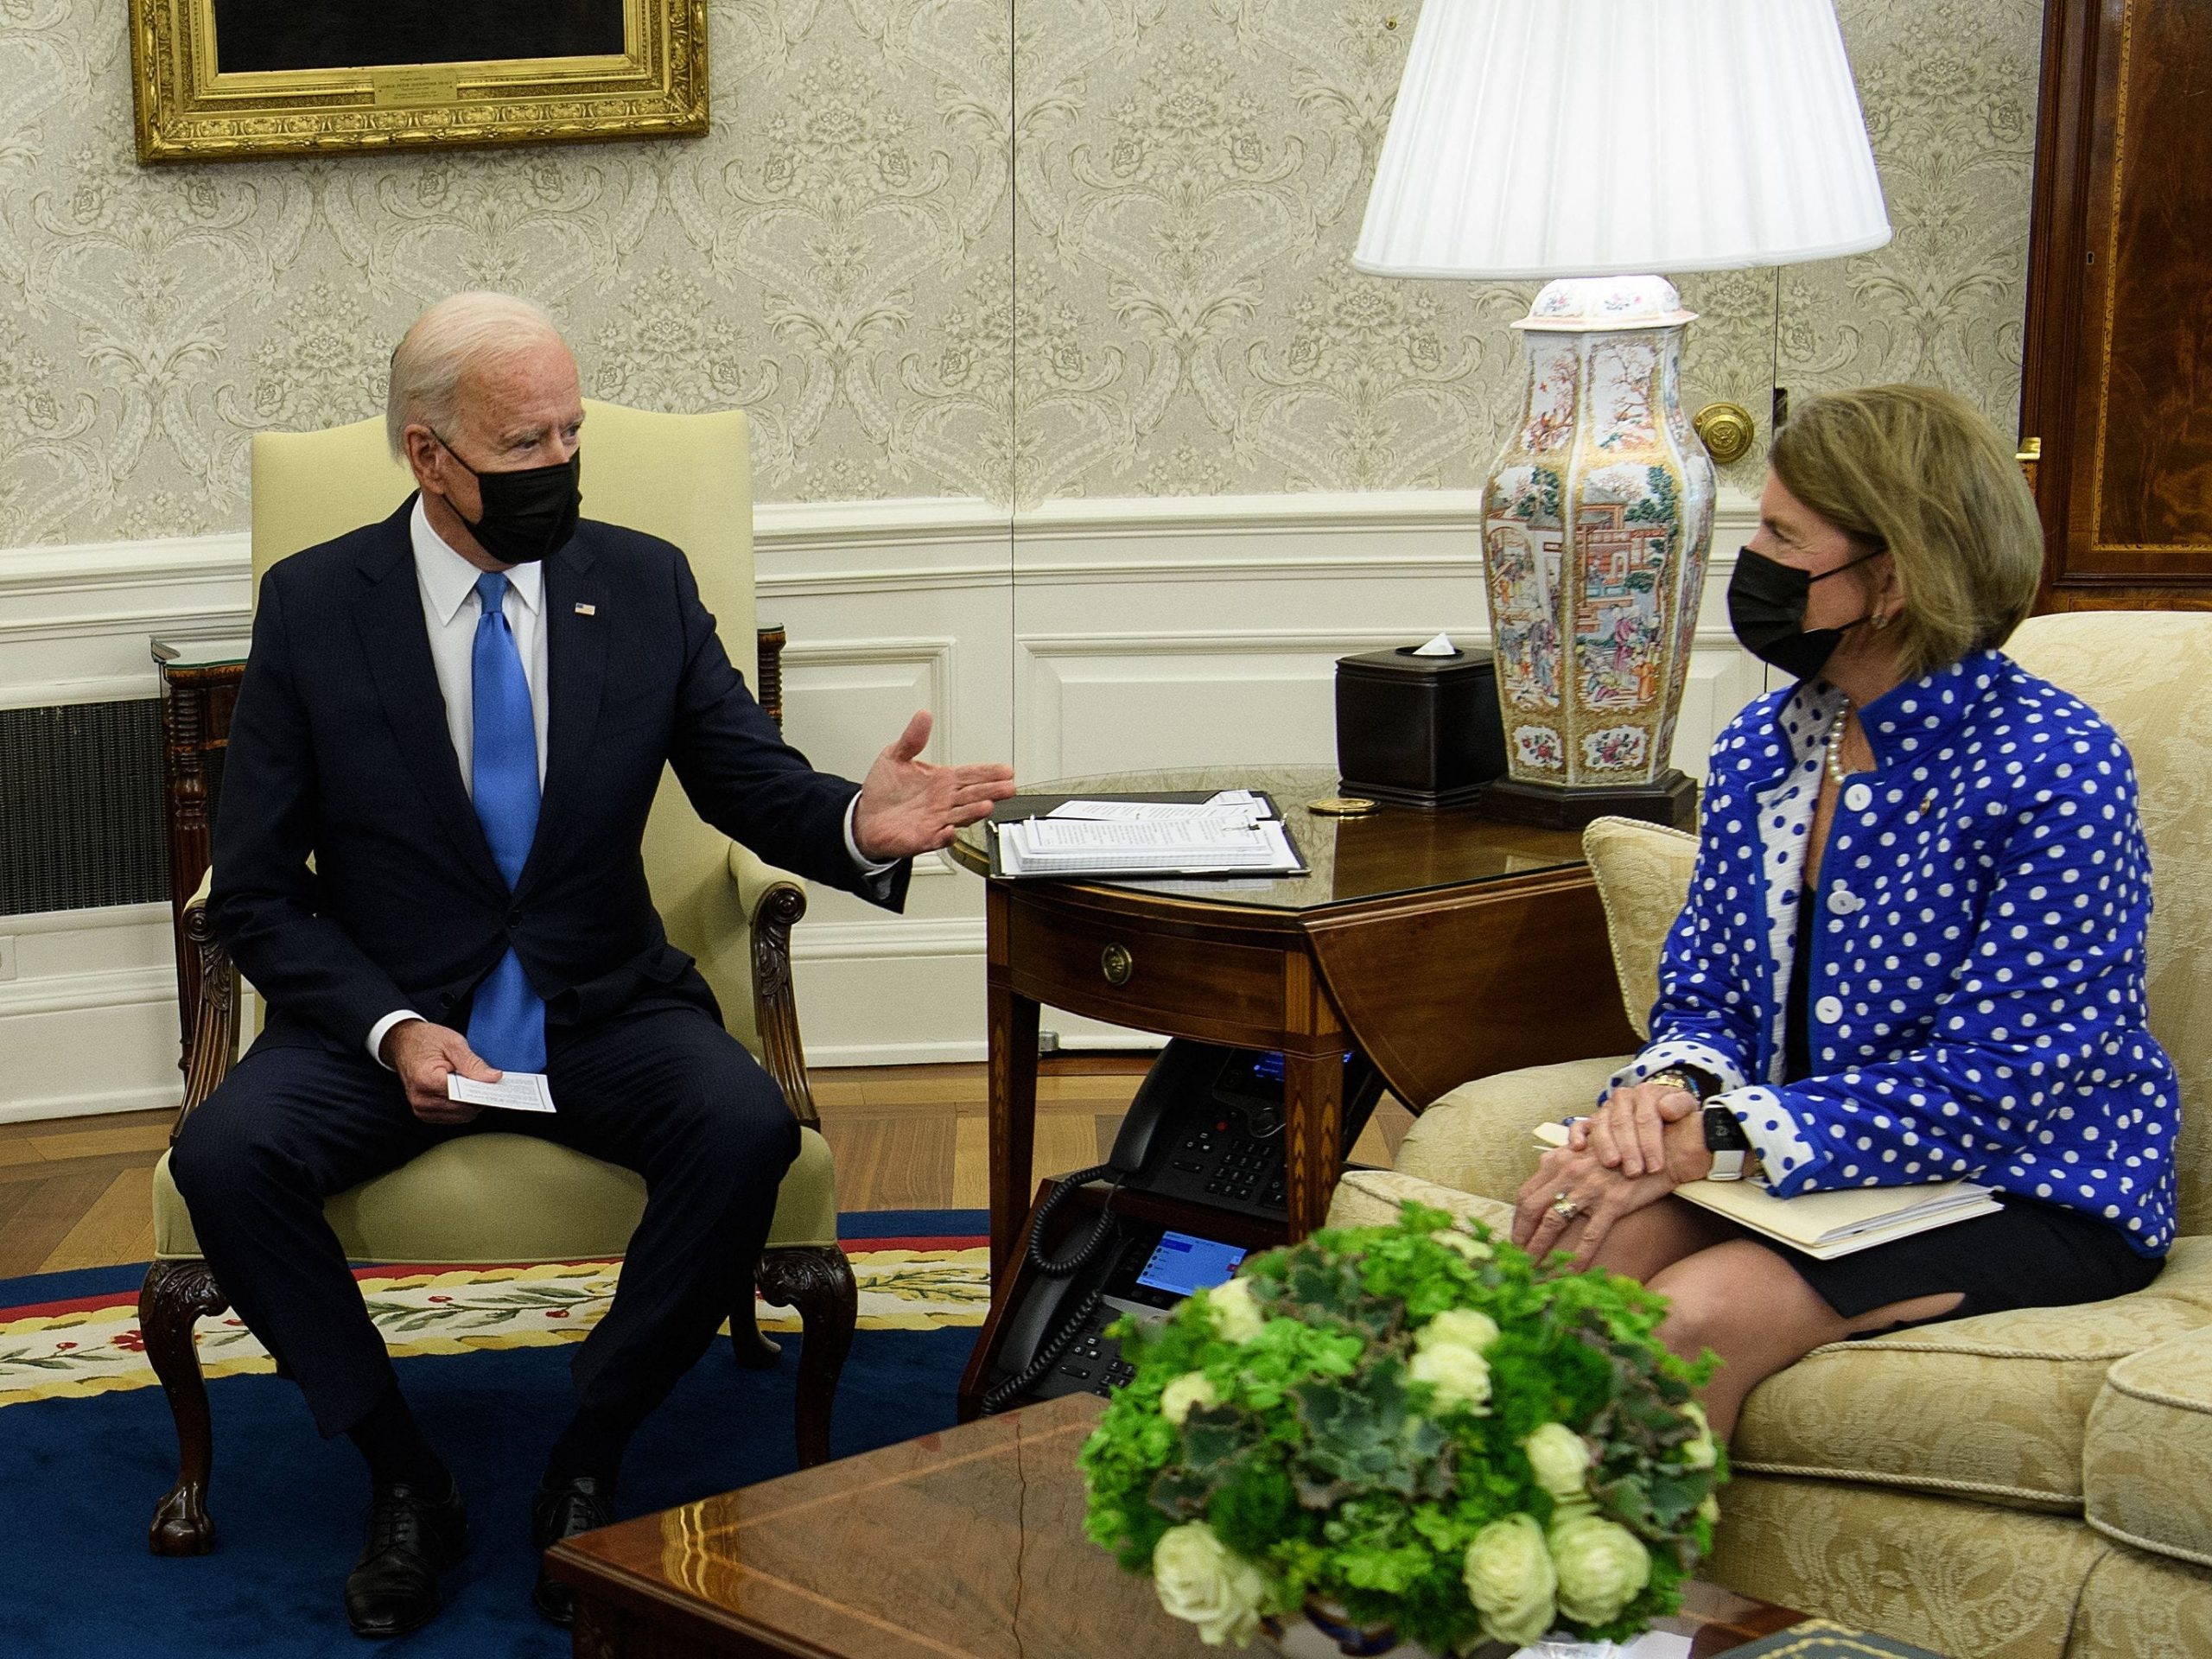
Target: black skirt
[{"x": 2028, "y": 1255}]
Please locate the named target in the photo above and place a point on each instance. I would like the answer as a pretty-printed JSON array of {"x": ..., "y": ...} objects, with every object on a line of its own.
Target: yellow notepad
[{"x": 1825, "y": 1225}]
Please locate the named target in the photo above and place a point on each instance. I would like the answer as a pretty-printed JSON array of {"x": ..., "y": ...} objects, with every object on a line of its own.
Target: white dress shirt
[{"x": 451, "y": 610}]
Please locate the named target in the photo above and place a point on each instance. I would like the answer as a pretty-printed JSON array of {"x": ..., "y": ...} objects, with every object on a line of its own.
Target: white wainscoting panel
[
  {"x": 88, "y": 1023},
  {"x": 1084, "y": 637}
]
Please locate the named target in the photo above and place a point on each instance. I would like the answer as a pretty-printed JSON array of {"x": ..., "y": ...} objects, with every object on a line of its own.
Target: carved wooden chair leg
[
  {"x": 818, "y": 1281},
  {"x": 175, "y": 1296},
  {"x": 754, "y": 1351}
]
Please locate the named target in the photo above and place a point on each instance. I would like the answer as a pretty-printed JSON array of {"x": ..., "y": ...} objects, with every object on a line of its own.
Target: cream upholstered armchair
[
  {"x": 498, "y": 1198},
  {"x": 2035, "y": 1485}
]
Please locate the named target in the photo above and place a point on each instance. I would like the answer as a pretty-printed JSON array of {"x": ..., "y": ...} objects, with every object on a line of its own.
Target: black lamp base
[{"x": 1672, "y": 800}]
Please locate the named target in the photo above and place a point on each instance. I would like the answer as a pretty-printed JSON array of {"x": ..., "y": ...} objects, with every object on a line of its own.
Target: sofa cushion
[
  {"x": 1995, "y": 1408},
  {"x": 1481, "y": 1136},
  {"x": 1959, "y": 1578},
  {"x": 511, "y": 1197},
  {"x": 1370, "y": 1197},
  {"x": 2139, "y": 1606},
  {"x": 1642, "y": 873},
  {"x": 2149, "y": 1468}
]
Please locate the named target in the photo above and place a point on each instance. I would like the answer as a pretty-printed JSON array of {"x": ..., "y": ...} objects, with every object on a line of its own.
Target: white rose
[
  {"x": 1602, "y": 1568},
  {"x": 1701, "y": 1452},
  {"x": 1510, "y": 1579},
  {"x": 1191, "y": 1388},
  {"x": 1465, "y": 1243},
  {"x": 1459, "y": 1376},
  {"x": 1200, "y": 1580},
  {"x": 1560, "y": 1457},
  {"x": 1458, "y": 1327},
  {"x": 1236, "y": 1316}
]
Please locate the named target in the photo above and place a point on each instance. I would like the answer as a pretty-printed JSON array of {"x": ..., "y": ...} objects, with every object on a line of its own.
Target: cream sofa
[{"x": 2031, "y": 1484}]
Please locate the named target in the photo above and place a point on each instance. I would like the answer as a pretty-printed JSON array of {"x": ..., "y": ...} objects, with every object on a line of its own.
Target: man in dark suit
[{"x": 427, "y": 860}]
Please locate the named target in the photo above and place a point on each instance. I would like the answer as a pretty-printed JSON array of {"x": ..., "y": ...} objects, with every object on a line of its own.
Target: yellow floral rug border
[{"x": 463, "y": 1310}]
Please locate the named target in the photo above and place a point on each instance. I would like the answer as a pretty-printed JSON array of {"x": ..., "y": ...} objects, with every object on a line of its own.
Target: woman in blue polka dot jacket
[{"x": 1913, "y": 946}]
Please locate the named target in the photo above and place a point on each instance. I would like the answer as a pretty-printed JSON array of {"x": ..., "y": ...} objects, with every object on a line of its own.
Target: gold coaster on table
[{"x": 1343, "y": 806}]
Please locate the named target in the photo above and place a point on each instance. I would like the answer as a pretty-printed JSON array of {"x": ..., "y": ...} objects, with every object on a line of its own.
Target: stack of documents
[
  {"x": 1825, "y": 1225},
  {"x": 1234, "y": 833}
]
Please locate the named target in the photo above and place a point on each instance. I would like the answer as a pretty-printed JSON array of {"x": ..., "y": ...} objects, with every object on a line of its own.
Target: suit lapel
[
  {"x": 397, "y": 645},
  {"x": 576, "y": 660}
]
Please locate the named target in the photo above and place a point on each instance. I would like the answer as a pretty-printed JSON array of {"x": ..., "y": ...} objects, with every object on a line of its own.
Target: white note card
[{"x": 515, "y": 1091}]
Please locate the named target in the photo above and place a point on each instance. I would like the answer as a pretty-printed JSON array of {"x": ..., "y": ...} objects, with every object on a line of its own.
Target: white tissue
[{"x": 1440, "y": 646}]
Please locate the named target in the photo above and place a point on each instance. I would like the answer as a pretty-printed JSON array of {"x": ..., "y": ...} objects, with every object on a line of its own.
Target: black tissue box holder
[{"x": 1418, "y": 731}]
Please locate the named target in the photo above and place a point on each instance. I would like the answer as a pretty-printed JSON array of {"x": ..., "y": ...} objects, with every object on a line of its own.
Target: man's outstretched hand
[
  {"x": 908, "y": 806},
  {"x": 424, "y": 1055}
]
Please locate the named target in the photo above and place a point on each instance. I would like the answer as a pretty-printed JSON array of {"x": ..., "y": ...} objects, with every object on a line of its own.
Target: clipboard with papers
[{"x": 1231, "y": 832}]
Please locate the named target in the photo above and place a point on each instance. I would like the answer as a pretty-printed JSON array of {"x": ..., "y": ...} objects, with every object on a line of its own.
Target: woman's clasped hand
[{"x": 1641, "y": 1143}]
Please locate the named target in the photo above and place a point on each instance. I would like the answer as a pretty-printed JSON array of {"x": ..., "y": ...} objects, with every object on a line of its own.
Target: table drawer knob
[{"x": 1117, "y": 964}]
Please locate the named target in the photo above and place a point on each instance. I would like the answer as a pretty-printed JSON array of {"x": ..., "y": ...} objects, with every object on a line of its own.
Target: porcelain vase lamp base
[{"x": 1596, "y": 519}]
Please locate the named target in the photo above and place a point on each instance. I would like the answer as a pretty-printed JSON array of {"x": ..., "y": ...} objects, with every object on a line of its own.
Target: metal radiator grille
[{"x": 81, "y": 807}]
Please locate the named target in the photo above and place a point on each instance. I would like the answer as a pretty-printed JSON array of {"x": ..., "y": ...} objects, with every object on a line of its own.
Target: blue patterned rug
[{"x": 86, "y": 1445}]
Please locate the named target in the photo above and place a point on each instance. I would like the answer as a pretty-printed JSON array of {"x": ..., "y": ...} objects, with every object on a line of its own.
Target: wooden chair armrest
[
  {"x": 212, "y": 1045},
  {"x": 774, "y": 902}
]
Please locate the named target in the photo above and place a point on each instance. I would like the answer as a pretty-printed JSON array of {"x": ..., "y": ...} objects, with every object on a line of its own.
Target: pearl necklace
[{"x": 1835, "y": 745}]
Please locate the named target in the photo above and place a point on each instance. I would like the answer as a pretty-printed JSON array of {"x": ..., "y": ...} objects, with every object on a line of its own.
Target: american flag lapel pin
[{"x": 587, "y": 610}]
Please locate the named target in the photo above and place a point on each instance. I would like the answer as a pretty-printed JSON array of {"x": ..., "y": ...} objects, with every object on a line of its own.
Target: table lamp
[{"x": 1585, "y": 141}]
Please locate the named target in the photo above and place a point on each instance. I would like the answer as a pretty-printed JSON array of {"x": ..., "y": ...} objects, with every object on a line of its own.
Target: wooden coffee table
[{"x": 963, "y": 1545}]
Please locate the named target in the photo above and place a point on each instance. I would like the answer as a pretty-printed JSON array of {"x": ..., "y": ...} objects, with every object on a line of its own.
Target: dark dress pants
[{"x": 663, "y": 1090}]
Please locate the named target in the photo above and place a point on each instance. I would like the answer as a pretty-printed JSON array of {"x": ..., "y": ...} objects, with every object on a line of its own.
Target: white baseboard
[
  {"x": 39, "y": 1110},
  {"x": 945, "y": 1052}
]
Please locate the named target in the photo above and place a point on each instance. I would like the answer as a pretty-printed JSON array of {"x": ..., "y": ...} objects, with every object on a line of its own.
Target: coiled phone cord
[{"x": 1102, "y": 1234}]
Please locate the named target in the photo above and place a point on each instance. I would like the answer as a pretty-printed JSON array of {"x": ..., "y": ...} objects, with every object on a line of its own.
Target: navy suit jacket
[{"x": 339, "y": 752}]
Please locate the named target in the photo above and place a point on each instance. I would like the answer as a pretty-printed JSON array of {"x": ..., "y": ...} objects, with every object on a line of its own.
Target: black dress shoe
[
  {"x": 562, "y": 1510},
  {"x": 412, "y": 1538}
]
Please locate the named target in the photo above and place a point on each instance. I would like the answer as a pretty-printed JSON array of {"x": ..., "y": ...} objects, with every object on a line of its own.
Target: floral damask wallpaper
[{"x": 935, "y": 247}]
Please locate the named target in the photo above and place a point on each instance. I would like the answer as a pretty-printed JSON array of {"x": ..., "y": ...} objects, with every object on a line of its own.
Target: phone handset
[{"x": 1037, "y": 1329}]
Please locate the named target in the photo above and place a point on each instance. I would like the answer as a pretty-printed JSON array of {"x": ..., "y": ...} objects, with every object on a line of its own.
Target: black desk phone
[
  {"x": 1207, "y": 1125},
  {"x": 1204, "y": 1129}
]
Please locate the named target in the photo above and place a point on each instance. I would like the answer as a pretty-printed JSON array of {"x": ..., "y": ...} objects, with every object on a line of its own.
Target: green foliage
[{"x": 1329, "y": 1466}]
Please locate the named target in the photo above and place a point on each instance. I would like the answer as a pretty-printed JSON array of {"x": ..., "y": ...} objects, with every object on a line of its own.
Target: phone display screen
[{"x": 1183, "y": 1263}]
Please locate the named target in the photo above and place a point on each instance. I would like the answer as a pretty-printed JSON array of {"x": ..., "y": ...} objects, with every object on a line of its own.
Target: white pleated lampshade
[{"x": 1593, "y": 137}]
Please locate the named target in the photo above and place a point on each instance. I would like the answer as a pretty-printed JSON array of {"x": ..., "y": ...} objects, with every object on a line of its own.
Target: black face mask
[
  {"x": 525, "y": 515},
  {"x": 1767, "y": 607}
]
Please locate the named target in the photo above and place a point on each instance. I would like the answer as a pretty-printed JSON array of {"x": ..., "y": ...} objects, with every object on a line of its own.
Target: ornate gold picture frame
[{"x": 235, "y": 80}]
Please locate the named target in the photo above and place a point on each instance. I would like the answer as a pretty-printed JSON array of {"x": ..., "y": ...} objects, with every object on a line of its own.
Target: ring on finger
[{"x": 1565, "y": 1207}]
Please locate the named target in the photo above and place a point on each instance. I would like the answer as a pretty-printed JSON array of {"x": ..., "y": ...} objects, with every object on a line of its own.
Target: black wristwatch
[{"x": 1726, "y": 1139}]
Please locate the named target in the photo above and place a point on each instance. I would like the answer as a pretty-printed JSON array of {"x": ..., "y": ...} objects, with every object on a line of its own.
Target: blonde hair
[
  {"x": 459, "y": 331},
  {"x": 1918, "y": 472}
]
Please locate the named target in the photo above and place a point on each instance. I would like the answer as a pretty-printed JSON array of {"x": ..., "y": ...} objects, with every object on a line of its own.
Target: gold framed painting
[{"x": 233, "y": 80}]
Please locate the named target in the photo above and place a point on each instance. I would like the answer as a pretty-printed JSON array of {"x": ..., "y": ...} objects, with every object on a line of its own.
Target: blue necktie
[{"x": 506, "y": 1023}]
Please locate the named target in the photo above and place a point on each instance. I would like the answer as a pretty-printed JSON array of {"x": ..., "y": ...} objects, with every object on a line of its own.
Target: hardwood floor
[{"x": 76, "y": 1193}]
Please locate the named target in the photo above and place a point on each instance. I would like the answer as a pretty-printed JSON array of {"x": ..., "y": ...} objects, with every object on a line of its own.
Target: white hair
[{"x": 459, "y": 331}]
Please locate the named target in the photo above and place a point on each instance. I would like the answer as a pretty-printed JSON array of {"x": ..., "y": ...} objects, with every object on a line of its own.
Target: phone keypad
[{"x": 1094, "y": 1362}]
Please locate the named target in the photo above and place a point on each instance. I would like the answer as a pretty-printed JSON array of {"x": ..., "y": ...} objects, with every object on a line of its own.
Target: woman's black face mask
[
  {"x": 525, "y": 515},
  {"x": 1767, "y": 607}
]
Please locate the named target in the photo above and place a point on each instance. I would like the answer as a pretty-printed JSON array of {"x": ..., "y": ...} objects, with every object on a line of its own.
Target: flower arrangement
[{"x": 1412, "y": 1426}]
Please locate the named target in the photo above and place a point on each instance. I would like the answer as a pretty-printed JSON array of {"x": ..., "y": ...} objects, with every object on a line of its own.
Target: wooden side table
[{"x": 1444, "y": 944}]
